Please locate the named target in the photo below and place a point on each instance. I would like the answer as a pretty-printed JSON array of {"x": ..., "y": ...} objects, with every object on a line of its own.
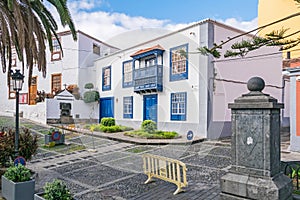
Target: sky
[{"x": 105, "y": 19}]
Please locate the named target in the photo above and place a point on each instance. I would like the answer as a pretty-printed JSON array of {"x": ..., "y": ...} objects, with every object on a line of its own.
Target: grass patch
[
  {"x": 7, "y": 122},
  {"x": 154, "y": 135},
  {"x": 107, "y": 129},
  {"x": 44, "y": 131},
  {"x": 29, "y": 126},
  {"x": 62, "y": 148}
]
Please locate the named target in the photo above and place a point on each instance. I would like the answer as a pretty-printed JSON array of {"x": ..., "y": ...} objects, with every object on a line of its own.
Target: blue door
[
  {"x": 106, "y": 107},
  {"x": 150, "y": 107}
]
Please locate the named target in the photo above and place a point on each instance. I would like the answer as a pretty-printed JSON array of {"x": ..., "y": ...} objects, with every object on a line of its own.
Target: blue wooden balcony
[{"x": 148, "y": 79}]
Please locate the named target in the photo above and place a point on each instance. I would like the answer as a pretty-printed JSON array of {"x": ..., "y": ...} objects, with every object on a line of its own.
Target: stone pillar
[{"x": 255, "y": 147}]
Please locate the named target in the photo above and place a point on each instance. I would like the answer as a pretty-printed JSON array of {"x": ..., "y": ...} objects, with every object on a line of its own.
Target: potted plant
[
  {"x": 54, "y": 135},
  {"x": 17, "y": 183},
  {"x": 56, "y": 190}
]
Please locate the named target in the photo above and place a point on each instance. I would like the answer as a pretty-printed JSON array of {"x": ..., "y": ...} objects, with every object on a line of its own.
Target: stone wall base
[{"x": 240, "y": 187}]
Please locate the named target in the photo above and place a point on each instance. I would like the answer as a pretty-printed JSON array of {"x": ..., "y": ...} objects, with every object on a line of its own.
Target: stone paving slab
[
  {"x": 96, "y": 175},
  {"x": 114, "y": 171},
  {"x": 208, "y": 161}
]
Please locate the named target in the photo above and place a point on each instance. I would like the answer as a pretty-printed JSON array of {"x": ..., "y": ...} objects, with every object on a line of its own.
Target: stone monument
[{"x": 255, "y": 148}]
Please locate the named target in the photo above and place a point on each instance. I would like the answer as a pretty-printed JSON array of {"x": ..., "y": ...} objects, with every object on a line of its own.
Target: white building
[
  {"x": 164, "y": 79},
  {"x": 155, "y": 80},
  {"x": 69, "y": 68}
]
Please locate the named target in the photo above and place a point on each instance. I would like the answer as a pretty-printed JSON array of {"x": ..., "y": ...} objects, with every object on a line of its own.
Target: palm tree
[{"x": 25, "y": 26}]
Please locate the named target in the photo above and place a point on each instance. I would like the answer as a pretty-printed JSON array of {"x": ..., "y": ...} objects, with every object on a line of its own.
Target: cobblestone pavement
[{"x": 108, "y": 169}]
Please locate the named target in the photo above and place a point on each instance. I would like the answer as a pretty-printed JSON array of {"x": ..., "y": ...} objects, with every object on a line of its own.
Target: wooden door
[{"x": 33, "y": 91}]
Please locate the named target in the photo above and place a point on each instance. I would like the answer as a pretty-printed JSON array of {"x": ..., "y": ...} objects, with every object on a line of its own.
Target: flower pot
[
  {"x": 17, "y": 191},
  {"x": 49, "y": 138},
  {"x": 39, "y": 196}
]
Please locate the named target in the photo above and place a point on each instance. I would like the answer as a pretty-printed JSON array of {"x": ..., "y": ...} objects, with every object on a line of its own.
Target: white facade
[
  {"x": 75, "y": 68},
  {"x": 209, "y": 86}
]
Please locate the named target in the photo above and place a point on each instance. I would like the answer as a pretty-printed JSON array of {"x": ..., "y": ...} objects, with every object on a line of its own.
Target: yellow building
[{"x": 272, "y": 10}]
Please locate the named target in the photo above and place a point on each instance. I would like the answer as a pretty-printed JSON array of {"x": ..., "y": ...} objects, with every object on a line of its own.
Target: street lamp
[{"x": 17, "y": 83}]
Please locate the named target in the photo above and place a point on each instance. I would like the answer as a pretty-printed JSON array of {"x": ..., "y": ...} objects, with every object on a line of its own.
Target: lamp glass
[{"x": 17, "y": 79}]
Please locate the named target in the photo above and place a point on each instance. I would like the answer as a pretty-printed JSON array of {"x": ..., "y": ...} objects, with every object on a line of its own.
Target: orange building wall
[{"x": 272, "y": 10}]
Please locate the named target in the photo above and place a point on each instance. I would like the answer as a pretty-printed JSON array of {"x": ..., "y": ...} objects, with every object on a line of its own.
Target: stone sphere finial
[{"x": 256, "y": 84}]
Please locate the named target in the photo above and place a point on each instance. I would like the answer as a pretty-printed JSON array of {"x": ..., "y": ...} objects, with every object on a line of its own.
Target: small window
[
  {"x": 55, "y": 83},
  {"x": 127, "y": 74},
  {"x": 96, "y": 49},
  {"x": 56, "y": 53},
  {"x": 106, "y": 78},
  {"x": 128, "y": 107},
  {"x": 178, "y": 106},
  {"x": 178, "y": 63}
]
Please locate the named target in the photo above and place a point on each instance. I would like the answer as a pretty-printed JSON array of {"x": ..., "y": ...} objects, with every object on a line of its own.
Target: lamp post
[{"x": 17, "y": 80}]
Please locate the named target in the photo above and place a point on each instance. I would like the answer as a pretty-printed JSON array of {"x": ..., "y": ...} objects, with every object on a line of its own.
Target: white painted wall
[
  {"x": 201, "y": 81},
  {"x": 35, "y": 112},
  {"x": 76, "y": 67}
]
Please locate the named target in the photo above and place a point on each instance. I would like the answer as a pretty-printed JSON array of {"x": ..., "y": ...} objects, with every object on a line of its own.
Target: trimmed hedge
[
  {"x": 149, "y": 126},
  {"x": 154, "y": 135},
  {"x": 108, "y": 121}
]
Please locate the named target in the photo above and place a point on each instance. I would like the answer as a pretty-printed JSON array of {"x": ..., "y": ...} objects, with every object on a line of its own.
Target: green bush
[
  {"x": 149, "y": 126},
  {"x": 107, "y": 125},
  {"x": 18, "y": 173},
  {"x": 108, "y": 121},
  {"x": 110, "y": 129},
  {"x": 6, "y": 147},
  {"x": 57, "y": 190},
  {"x": 28, "y": 145},
  {"x": 91, "y": 96}
]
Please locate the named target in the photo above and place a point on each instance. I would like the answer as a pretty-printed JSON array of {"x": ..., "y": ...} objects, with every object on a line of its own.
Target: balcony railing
[{"x": 148, "y": 79}]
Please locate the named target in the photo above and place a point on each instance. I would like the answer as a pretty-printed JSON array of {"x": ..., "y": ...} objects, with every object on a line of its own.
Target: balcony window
[
  {"x": 127, "y": 74},
  {"x": 178, "y": 106},
  {"x": 128, "y": 107},
  {"x": 178, "y": 63},
  {"x": 106, "y": 78},
  {"x": 150, "y": 62}
]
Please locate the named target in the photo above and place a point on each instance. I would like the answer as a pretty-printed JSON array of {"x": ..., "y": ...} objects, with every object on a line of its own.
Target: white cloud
[
  {"x": 84, "y": 4},
  {"x": 105, "y": 25},
  {"x": 243, "y": 25}
]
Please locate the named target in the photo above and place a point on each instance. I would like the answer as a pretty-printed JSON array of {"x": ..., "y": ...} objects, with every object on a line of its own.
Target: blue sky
[
  {"x": 184, "y": 11},
  {"x": 104, "y": 19}
]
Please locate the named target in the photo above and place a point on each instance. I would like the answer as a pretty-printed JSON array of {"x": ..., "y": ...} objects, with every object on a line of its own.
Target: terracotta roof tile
[{"x": 147, "y": 49}]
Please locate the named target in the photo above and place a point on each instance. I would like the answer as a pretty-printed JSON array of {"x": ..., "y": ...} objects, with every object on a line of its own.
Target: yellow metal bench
[{"x": 167, "y": 169}]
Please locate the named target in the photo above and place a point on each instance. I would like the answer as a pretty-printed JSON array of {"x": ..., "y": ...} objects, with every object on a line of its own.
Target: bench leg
[
  {"x": 149, "y": 179},
  {"x": 179, "y": 189}
]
